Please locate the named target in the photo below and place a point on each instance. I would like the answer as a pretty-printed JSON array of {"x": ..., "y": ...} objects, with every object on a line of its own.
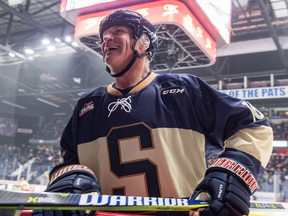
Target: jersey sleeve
[
  {"x": 70, "y": 136},
  {"x": 234, "y": 124}
]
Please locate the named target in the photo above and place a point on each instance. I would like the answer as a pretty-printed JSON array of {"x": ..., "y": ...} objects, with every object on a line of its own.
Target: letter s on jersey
[{"x": 255, "y": 112}]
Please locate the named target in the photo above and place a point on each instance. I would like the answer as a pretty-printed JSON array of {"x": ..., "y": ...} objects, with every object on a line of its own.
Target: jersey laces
[{"x": 125, "y": 104}]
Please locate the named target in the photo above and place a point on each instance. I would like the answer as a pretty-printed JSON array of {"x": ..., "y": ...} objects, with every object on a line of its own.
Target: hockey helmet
[{"x": 136, "y": 22}]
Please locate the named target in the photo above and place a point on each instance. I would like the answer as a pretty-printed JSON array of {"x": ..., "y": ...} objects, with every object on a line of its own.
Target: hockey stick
[{"x": 65, "y": 201}]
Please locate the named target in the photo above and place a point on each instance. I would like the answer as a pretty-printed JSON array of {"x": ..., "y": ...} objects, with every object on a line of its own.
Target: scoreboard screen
[
  {"x": 215, "y": 15},
  {"x": 205, "y": 23}
]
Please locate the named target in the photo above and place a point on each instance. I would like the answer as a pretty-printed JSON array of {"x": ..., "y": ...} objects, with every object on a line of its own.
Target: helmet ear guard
[{"x": 145, "y": 40}]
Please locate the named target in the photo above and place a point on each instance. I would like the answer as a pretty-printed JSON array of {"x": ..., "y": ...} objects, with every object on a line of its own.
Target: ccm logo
[{"x": 172, "y": 91}]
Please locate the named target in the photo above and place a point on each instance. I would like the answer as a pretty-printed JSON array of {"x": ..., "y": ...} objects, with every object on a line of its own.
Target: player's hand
[
  {"x": 228, "y": 197},
  {"x": 72, "y": 179},
  {"x": 229, "y": 184}
]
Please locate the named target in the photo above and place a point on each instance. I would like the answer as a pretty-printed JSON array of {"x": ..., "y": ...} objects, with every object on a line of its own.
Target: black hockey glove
[
  {"x": 230, "y": 181},
  {"x": 71, "y": 179}
]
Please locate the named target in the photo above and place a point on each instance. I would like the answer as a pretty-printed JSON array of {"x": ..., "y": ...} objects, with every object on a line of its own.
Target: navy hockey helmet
[{"x": 136, "y": 22}]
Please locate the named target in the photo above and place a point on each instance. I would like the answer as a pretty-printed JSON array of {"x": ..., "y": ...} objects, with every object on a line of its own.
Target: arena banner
[{"x": 259, "y": 93}]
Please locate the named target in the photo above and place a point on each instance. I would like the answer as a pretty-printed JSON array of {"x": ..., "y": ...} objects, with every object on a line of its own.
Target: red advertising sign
[{"x": 174, "y": 12}]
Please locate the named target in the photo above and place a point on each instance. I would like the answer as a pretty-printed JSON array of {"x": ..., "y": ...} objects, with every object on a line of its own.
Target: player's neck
[{"x": 133, "y": 76}]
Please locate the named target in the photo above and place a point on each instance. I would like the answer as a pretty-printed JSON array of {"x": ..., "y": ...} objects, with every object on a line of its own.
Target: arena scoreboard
[{"x": 189, "y": 31}]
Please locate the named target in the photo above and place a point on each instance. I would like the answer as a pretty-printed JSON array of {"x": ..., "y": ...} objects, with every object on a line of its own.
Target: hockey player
[{"x": 151, "y": 134}]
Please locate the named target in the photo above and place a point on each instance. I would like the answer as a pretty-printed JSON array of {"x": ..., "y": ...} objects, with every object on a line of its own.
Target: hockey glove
[
  {"x": 230, "y": 182},
  {"x": 71, "y": 179}
]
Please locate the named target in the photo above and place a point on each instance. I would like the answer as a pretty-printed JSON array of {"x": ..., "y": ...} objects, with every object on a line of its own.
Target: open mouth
[{"x": 110, "y": 49}]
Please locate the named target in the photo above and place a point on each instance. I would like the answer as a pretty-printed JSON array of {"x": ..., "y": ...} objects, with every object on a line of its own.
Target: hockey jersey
[{"x": 157, "y": 139}]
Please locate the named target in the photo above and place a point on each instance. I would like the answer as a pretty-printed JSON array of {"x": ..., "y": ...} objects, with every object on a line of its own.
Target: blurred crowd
[
  {"x": 50, "y": 128},
  {"x": 280, "y": 130},
  {"x": 30, "y": 162}
]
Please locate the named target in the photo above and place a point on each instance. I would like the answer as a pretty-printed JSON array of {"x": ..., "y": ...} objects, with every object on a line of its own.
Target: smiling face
[{"x": 117, "y": 47}]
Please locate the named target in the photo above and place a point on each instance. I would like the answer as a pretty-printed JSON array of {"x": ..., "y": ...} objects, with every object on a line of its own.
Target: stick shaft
[{"x": 65, "y": 201}]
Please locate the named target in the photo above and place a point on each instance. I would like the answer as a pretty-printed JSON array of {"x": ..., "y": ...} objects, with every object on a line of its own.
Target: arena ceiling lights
[
  {"x": 280, "y": 8},
  {"x": 187, "y": 36}
]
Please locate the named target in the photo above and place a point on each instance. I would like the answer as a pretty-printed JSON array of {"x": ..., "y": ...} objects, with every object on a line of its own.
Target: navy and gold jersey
[{"x": 156, "y": 139}]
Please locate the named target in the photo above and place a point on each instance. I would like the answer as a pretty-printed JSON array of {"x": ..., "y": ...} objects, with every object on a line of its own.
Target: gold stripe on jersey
[
  {"x": 137, "y": 88},
  {"x": 178, "y": 154},
  {"x": 253, "y": 141}
]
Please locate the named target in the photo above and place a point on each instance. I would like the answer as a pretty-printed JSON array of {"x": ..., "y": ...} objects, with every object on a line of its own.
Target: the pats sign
[{"x": 259, "y": 93}]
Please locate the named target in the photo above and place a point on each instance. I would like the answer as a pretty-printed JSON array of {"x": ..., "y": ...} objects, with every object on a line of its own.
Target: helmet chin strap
[
  {"x": 124, "y": 70},
  {"x": 135, "y": 56}
]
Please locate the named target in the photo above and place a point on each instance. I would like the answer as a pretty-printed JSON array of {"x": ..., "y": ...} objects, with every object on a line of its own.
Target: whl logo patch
[{"x": 86, "y": 108}]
